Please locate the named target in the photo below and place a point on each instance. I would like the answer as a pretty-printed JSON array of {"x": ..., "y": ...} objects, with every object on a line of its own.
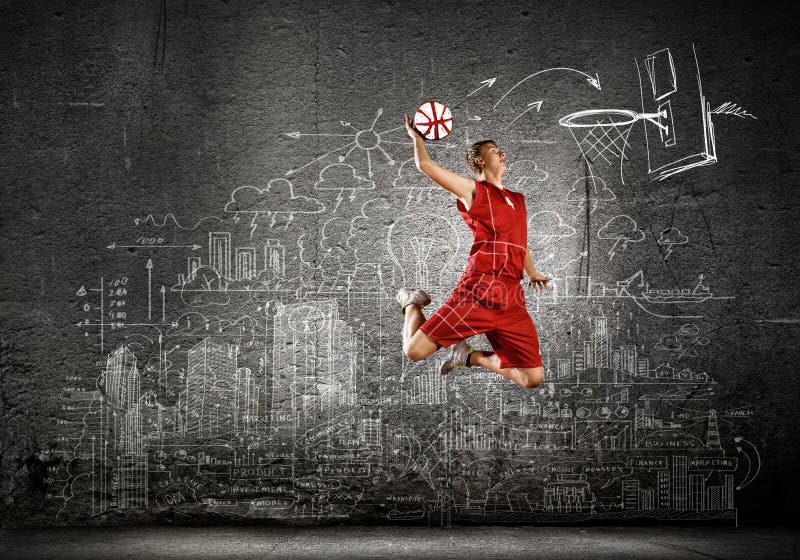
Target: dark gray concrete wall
[{"x": 262, "y": 142}]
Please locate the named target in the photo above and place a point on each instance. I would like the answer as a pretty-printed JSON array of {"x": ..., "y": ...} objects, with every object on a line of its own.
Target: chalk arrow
[
  {"x": 739, "y": 447},
  {"x": 535, "y": 105},
  {"x": 298, "y": 134},
  {"x": 594, "y": 81},
  {"x": 116, "y": 246},
  {"x": 486, "y": 83},
  {"x": 149, "y": 267}
]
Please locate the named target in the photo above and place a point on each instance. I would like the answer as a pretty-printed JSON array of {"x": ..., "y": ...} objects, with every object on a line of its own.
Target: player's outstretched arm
[{"x": 462, "y": 187}]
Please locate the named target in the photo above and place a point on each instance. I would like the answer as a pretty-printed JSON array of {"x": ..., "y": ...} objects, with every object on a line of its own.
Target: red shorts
[{"x": 482, "y": 304}]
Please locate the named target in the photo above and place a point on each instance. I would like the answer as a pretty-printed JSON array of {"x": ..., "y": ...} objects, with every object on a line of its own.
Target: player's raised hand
[{"x": 412, "y": 132}]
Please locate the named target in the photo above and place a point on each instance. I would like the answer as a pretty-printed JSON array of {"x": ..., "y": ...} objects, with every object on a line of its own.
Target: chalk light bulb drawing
[{"x": 423, "y": 248}]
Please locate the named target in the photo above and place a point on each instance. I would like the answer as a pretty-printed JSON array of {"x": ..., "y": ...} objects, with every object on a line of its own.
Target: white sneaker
[
  {"x": 456, "y": 358},
  {"x": 406, "y": 297}
]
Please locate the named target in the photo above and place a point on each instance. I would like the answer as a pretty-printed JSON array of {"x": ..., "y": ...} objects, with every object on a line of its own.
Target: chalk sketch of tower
[
  {"x": 314, "y": 366},
  {"x": 123, "y": 388},
  {"x": 628, "y": 358},
  {"x": 697, "y": 492},
  {"x": 193, "y": 263},
  {"x": 664, "y": 488},
  {"x": 371, "y": 428},
  {"x": 275, "y": 257},
  {"x": 600, "y": 343},
  {"x": 211, "y": 388},
  {"x": 680, "y": 482},
  {"x": 588, "y": 355},
  {"x": 219, "y": 252},
  {"x": 246, "y": 400},
  {"x": 630, "y": 493},
  {"x": 712, "y": 440},
  {"x": 245, "y": 263},
  {"x": 119, "y": 365}
]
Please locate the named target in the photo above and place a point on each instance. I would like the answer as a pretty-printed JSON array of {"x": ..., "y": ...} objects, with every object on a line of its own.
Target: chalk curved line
[{"x": 151, "y": 219}]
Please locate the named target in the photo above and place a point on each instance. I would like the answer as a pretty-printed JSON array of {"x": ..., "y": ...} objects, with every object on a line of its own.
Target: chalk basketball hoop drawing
[
  {"x": 602, "y": 134},
  {"x": 433, "y": 120}
]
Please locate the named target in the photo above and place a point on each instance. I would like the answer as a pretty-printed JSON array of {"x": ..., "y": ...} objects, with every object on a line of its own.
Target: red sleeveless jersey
[{"x": 499, "y": 222}]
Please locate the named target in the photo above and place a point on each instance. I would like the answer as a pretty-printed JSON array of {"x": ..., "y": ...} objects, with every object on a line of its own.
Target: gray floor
[{"x": 402, "y": 542}]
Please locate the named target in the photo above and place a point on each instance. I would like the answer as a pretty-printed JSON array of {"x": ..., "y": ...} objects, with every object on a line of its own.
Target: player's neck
[{"x": 493, "y": 178}]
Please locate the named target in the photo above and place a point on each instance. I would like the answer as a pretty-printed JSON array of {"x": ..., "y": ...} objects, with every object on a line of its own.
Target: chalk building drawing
[{"x": 255, "y": 370}]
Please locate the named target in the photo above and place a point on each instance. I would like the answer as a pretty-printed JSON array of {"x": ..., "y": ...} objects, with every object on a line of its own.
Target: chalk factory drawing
[{"x": 250, "y": 365}]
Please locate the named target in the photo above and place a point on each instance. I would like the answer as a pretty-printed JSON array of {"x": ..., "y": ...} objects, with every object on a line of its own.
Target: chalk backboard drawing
[
  {"x": 679, "y": 134},
  {"x": 683, "y": 137}
]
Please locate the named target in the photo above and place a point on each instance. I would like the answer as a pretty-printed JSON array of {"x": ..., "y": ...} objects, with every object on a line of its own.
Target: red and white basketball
[{"x": 433, "y": 120}]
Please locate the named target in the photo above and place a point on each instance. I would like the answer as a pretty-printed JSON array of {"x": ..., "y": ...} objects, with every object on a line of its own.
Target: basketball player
[{"x": 489, "y": 297}]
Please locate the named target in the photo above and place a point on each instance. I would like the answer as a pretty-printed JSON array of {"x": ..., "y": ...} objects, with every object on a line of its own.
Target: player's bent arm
[
  {"x": 462, "y": 187},
  {"x": 530, "y": 268}
]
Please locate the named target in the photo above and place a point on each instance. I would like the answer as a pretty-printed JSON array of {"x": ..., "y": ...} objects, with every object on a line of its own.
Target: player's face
[{"x": 493, "y": 158}]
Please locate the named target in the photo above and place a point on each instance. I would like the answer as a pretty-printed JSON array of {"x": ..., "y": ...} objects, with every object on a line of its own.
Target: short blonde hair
[{"x": 475, "y": 151}]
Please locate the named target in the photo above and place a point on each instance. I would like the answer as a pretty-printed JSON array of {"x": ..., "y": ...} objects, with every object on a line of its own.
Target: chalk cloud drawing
[
  {"x": 524, "y": 172},
  {"x": 684, "y": 342},
  {"x": 277, "y": 199},
  {"x": 205, "y": 287},
  {"x": 342, "y": 177},
  {"x": 368, "y": 231},
  {"x": 546, "y": 226},
  {"x": 589, "y": 192},
  {"x": 414, "y": 183},
  {"x": 408, "y": 178},
  {"x": 333, "y": 242},
  {"x": 623, "y": 231},
  {"x": 669, "y": 238}
]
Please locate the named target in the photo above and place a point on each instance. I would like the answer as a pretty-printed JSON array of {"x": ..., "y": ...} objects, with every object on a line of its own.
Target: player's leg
[
  {"x": 416, "y": 344},
  {"x": 516, "y": 355},
  {"x": 529, "y": 377},
  {"x": 457, "y": 319}
]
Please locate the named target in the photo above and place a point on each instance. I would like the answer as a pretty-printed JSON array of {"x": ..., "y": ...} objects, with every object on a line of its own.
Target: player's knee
[
  {"x": 533, "y": 378},
  {"x": 414, "y": 353}
]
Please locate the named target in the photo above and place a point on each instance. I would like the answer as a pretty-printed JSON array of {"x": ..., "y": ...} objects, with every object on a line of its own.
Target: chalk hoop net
[{"x": 603, "y": 133}]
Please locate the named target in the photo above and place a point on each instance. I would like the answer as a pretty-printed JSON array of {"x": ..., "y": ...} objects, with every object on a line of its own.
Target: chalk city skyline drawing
[{"x": 250, "y": 365}]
